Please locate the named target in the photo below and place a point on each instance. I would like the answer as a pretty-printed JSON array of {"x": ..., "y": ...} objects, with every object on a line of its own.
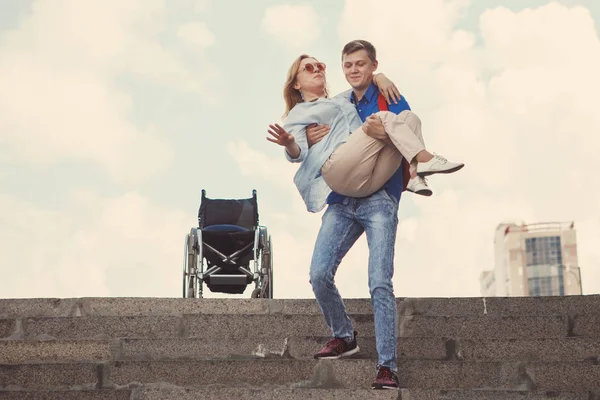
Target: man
[{"x": 344, "y": 221}]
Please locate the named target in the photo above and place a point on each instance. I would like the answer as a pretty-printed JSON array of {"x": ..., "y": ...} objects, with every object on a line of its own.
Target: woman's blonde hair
[{"x": 291, "y": 95}]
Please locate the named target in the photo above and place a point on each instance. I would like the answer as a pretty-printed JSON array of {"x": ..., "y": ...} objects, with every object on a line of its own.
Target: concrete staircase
[{"x": 144, "y": 348}]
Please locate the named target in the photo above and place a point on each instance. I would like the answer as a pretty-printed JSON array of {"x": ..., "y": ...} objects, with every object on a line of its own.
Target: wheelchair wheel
[
  {"x": 190, "y": 264},
  {"x": 267, "y": 268}
]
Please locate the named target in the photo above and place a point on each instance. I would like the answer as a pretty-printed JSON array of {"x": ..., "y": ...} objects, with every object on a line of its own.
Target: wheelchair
[{"x": 219, "y": 252}]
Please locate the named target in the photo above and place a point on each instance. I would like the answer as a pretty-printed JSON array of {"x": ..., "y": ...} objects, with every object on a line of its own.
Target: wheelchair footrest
[{"x": 216, "y": 279}]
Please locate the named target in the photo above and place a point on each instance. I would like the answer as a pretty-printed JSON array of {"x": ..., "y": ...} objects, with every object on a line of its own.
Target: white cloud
[
  {"x": 254, "y": 163},
  {"x": 196, "y": 35},
  {"x": 513, "y": 108},
  {"x": 296, "y": 26},
  {"x": 92, "y": 247},
  {"x": 517, "y": 105},
  {"x": 58, "y": 80},
  {"x": 201, "y": 5}
]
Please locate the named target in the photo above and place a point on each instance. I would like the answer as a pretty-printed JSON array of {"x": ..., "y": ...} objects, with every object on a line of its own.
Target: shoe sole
[
  {"x": 446, "y": 171},
  {"x": 425, "y": 192},
  {"x": 346, "y": 354},
  {"x": 383, "y": 387}
]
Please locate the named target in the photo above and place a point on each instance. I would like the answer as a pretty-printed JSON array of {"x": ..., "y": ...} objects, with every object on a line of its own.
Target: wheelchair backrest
[{"x": 241, "y": 212}]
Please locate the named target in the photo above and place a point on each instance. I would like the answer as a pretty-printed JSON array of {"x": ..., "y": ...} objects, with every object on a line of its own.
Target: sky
[{"x": 115, "y": 114}]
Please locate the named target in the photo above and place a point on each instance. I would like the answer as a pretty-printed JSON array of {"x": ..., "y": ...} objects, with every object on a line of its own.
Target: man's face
[{"x": 358, "y": 69}]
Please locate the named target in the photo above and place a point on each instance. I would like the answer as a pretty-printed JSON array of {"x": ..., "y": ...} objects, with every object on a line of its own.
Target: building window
[{"x": 544, "y": 266}]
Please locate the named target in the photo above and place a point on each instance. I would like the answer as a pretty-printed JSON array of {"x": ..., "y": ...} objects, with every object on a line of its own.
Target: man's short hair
[{"x": 357, "y": 45}]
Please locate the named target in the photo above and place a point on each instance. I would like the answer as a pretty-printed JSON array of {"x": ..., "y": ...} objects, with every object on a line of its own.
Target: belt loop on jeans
[{"x": 346, "y": 201}]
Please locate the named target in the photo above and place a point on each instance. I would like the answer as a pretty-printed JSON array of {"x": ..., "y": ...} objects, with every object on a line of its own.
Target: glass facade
[{"x": 544, "y": 266}]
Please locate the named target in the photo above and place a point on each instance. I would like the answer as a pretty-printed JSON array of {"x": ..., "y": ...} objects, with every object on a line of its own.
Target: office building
[{"x": 533, "y": 260}]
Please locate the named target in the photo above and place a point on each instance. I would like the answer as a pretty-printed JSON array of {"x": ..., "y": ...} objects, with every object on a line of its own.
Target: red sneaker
[
  {"x": 338, "y": 348},
  {"x": 386, "y": 379}
]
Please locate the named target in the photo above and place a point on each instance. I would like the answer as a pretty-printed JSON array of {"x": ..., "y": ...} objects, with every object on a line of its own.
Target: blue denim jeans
[{"x": 342, "y": 224}]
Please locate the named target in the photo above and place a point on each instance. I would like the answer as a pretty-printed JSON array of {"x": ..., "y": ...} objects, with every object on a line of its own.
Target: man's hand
[
  {"x": 387, "y": 88},
  {"x": 374, "y": 128},
  {"x": 314, "y": 133}
]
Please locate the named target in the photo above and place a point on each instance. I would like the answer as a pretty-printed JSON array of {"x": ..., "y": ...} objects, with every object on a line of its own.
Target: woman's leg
[
  {"x": 404, "y": 131},
  {"x": 360, "y": 166}
]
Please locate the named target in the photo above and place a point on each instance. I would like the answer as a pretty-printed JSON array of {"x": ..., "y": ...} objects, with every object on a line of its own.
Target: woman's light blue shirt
[{"x": 341, "y": 116}]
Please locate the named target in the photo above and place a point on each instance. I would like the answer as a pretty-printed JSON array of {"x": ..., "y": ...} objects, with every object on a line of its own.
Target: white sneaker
[
  {"x": 437, "y": 165},
  {"x": 419, "y": 185}
]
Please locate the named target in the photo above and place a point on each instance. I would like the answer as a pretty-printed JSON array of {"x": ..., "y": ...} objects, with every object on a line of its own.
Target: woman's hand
[
  {"x": 280, "y": 136},
  {"x": 283, "y": 138},
  {"x": 387, "y": 88}
]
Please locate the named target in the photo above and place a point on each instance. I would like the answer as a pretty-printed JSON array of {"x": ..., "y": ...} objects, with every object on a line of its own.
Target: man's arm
[{"x": 314, "y": 133}]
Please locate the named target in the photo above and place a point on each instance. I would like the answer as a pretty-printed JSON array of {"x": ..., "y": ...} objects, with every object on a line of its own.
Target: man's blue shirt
[{"x": 367, "y": 106}]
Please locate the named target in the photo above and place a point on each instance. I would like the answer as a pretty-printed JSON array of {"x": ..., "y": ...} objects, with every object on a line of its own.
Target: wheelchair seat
[{"x": 225, "y": 228}]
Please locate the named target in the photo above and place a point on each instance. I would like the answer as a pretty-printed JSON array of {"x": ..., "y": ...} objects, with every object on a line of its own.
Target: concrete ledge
[
  {"x": 170, "y": 306},
  {"x": 215, "y": 393},
  {"x": 21, "y": 352},
  {"x": 324, "y": 374},
  {"x": 225, "y": 393},
  {"x": 568, "y": 376},
  {"x": 351, "y": 374},
  {"x": 505, "y": 327},
  {"x": 7, "y": 327},
  {"x": 586, "y": 325},
  {"x": 500, "y": 306},
  {"x": 264, "y": 394},
  {"x": 17, "y": 308},
  {"x": 350, "y": 394},
  {"x": 564, "y": 349},
  {"x": 70, "y": 395},
  {"x": 294, "y": 347},
  {"x": 137, "y": 306},
  {"x": 49, "y": 376},
  {"x": 228, "y": 326},
  {"x": 102, "y": 327},
  {"x": 419, "y": 394}
]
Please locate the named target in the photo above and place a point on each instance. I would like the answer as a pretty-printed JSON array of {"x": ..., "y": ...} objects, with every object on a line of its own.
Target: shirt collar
[{"x": 369, "y": 95}]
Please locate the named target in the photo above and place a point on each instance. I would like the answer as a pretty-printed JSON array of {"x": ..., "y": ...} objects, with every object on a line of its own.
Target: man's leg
[
  {"x": 379, "y": 216},
  {"x": 339, "y": 231}
]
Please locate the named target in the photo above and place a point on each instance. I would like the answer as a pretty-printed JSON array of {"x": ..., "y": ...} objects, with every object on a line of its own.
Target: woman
[{"x": 307, "y": 102}]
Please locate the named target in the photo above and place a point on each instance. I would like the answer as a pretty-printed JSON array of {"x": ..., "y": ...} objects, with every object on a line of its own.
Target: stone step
[
  {"x": 470, "y": 306},
  {"x": 224, "y": 393},
  {"x": 297, "y": 347},
  {"x": 419, "y": 394},
  {"x": 348, "y": 374},
  {"x": 282, "y": 325}
]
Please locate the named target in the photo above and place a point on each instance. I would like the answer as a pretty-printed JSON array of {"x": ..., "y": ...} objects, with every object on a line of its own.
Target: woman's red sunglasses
[{"x": 310, "y": 67}]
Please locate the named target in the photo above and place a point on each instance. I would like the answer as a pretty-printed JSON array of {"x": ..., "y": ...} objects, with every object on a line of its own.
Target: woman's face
[{"x": 311, "y": 76}]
